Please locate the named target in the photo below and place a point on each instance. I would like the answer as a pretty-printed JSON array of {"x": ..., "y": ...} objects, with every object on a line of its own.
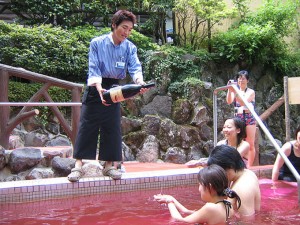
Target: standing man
[{"x": 110, "y": 57}]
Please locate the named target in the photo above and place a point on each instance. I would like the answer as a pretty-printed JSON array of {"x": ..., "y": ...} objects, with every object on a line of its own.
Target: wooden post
[
  {"x": 4, "y": 110},
  {"x": 76, "y": 95}
]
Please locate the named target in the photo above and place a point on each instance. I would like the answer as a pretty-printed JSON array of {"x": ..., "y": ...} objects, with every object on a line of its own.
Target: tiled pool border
[{"x": 33, "y": 190}]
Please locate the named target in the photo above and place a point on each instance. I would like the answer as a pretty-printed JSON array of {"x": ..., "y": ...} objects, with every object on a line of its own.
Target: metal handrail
[
  {"x": 41, "y": 103},
  {"x": 260, "y": 123}
]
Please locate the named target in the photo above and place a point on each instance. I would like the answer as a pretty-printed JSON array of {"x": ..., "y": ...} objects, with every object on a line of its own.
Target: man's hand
[
  {"x": 101, "y": 90},
  {"x": 141, "y": 82}
]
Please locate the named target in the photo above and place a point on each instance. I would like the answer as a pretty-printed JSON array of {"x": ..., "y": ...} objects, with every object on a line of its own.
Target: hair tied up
[
  {"x": 228, "y": 192},
  {"x": 232, "y": 194}
]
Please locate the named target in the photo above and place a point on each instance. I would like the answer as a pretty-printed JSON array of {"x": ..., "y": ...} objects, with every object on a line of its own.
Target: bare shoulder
[
  {"x": 249, "y": 174},
  {"x": 287, "y": 147},
  {"x": 245, "y": 144},
  {"x": 211, "y": 208},
  {"x": 248, "y": 178},
  {"x": 251, "y": 90}
]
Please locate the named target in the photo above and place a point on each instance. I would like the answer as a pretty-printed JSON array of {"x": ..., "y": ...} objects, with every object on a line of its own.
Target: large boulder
[
  {"x": 24, "y": 159},
  {"x": 2, "y": 158},
  {"x": 149, "y": 151}
]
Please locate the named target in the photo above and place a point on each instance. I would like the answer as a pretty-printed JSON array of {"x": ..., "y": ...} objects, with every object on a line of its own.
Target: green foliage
[
  {"x": 259, "y": 38},
  {"x": 184, "y": 87},
  {"x": 141, "y": 41},
  {"x": 201, "y": 16},
  {"x": 242, "y": 7},
  {"x": 54, "y": 51},
  {"x": 85, "y": 33},
  {"x": 176, "y": 62},
  {"x": 67, "y": 13},
  {"x": 48, "y": 50},
  {"x": 281, "y": 15},
  {"x": 247, "y": 42}
]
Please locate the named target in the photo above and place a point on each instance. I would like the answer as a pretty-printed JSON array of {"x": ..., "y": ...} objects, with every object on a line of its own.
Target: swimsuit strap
[
  {"x": 227, "y": 205},
  {"x": 292, "y": 146}
]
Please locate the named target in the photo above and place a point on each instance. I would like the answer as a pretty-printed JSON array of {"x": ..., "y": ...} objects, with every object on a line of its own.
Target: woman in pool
[
  {"x": 213, "y": 188},
  {"x": 292, "y": 150},
  {"x": 242, "y": 111},
  {"x": 241, "y": 180},
  {"x": 234, "y": 131}
]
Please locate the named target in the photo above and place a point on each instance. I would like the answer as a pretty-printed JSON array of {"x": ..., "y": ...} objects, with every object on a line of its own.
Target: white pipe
[{"x": 263, "y": 127}]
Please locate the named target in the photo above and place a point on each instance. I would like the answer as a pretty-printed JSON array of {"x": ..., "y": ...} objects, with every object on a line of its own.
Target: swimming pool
[{"x": 279, "y": 206}]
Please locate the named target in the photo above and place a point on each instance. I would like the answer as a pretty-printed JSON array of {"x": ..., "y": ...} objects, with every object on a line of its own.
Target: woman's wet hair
[
  {"x": 242, "y": 73},
  {"x": 227, "y": 157},
  {"x": 215, "y": 177},
  {"x": 123, "y": 15},
  {"x": 240, "y": 124},
  {"x": 296, "y": 132}
]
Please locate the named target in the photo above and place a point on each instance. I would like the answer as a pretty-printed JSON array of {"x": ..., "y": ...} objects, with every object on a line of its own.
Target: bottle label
[{"x": 116, "y": 95}]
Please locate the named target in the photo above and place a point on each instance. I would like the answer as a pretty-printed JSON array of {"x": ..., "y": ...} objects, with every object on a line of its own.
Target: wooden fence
[{"x": 7, "y": 124}]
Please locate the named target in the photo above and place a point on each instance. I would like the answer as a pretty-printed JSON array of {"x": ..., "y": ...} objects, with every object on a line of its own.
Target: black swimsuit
[{"x": 227, "y": 205}]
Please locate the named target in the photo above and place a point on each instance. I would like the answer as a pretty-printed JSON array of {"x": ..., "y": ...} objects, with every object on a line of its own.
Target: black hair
[
  {"x": 214, "y": 176},
  {"x": 122, "y": 15},
  {"x": 240, "y": 124},
  {"x": 242, "y": 73},
  {"x": 296, "y": 132},
  {"x": 227, "y": 157}
]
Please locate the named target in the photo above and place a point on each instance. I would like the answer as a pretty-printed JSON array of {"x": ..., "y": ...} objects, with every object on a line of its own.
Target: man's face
[{"x": 121, "y": 32}]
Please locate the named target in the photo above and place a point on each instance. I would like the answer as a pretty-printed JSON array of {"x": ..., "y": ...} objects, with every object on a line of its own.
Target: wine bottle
[{"x": 121, "y": 93}]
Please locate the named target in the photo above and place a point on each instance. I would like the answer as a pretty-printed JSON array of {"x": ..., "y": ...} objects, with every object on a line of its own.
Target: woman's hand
[{"x": 162, "y": 199}]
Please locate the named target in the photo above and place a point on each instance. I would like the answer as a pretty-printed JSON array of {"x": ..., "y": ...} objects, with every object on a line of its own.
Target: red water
[{"x": 279, "y": 206}]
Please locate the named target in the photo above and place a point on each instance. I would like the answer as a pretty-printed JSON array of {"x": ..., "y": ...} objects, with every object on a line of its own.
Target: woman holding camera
[{"x": 242, "y": 111}]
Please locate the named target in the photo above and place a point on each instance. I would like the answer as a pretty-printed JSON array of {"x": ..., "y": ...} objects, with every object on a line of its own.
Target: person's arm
[
  {"x": 286, "y": 148},
  {"x": 230, "y": 95},
  {"x": 167, "y": 199},
  {"x": 195, "y": 162},
  {"x": 94, "y": 72},
  {"x": 134, "y": 66},
  {"x": 200, "y": 216},
  {"x": 244, "y": 149}
]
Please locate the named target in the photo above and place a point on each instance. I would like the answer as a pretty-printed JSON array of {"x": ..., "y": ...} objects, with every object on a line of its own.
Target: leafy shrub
[
  {"x": 259, "y": 38},
  {"x": 179, "y": 63},
  {"x": 247, "y": 42},
  {"x": 48, "y": 50},
  {"x": 183, "y": 88},
  {"x": 54, "y": 51}
]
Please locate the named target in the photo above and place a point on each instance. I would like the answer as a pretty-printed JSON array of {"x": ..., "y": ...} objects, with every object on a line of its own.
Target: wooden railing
[{"x": 7, "y": 124}]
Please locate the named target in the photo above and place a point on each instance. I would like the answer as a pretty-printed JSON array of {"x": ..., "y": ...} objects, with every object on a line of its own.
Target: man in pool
[{"x": 243, "y": 181}]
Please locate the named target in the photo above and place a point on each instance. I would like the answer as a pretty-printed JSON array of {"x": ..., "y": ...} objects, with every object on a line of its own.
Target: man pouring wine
[{"x": 110, "y": 57}]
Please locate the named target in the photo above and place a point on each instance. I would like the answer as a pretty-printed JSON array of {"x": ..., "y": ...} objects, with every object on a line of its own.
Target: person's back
[
  {"x": 243, "y": 181},
  {"x": 247, "y": 187}
]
